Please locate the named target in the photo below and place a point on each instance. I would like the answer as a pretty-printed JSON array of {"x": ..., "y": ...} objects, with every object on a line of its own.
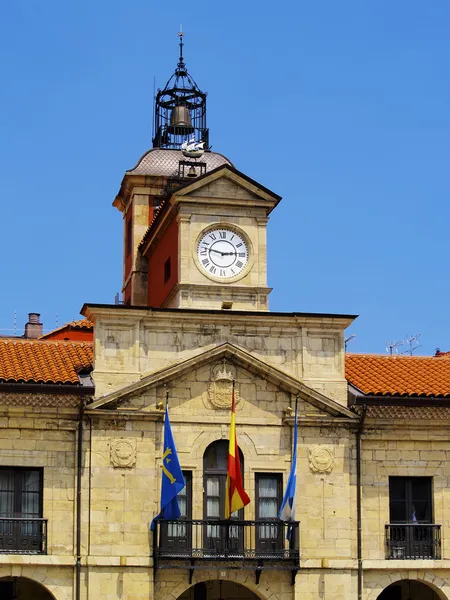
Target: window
[
  {"x": 410, "y": 500},
  {"x": 177, "y": 536},
  {"x": 268, "y": 495},
  {"x": 21, "y": 523},
  {"x": 411, "y": 533},
  {"x": 268, "y": 501},
  {"x": 185, "y": 497},
  {"x": 167, "y": 270},
  {"x": 20, "y": 492},
  {"x": 215, "y": 464}
]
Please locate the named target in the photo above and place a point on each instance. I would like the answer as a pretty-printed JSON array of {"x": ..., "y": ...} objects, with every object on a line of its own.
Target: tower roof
[{"x": 164, "y": 162}]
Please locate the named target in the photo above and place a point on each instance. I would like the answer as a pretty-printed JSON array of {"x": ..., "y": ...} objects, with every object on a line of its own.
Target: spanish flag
[{"x": 236, "y": 496}]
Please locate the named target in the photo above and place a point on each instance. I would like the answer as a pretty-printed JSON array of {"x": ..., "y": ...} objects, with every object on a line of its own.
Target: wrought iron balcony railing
[
  {"x": 21, "y": 535},
  {"x": 413, "y": 541},
  {"x": 255, "y": 545}
]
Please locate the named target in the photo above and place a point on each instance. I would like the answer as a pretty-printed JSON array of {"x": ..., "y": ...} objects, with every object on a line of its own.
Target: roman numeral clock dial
[{"x": 222, "y": 253}]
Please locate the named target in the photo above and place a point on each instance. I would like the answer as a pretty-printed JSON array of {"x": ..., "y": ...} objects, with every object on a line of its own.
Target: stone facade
[{"x": 141, "y": 354}]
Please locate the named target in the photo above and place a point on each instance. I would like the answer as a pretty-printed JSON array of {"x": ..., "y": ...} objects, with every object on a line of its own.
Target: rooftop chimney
[{"x": 34, "y": 328}]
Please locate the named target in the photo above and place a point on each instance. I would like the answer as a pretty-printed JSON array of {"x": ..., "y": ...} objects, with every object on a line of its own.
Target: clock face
[{"x": 222, "y": 253}]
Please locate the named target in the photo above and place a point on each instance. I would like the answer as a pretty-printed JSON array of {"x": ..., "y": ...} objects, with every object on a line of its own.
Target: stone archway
[
  {"x": 241, "y": 582},
  {"x": 21, "y": 588},
  {"x": 411, "y": 589},
  {"x": 218, "y": 588}
]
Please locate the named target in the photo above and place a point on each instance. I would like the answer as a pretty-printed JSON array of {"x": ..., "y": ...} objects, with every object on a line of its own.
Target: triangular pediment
[
  {"x": 264, "y": 385},
  {"x": 226, "y": 183}
]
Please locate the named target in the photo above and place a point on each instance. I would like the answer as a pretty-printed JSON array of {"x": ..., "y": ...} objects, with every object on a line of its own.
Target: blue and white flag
[
  {"x": 287, "y": 510},
  {"x": 172, "y": 481}
]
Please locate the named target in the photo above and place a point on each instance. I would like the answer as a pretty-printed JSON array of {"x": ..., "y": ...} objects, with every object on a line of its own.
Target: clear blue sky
[{"x": 340, "y": 107}]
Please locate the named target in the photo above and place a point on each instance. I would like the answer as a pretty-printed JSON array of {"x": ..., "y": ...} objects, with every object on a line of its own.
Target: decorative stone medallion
[
  {"x": 221, "y": 387},
  {"x": 123, "y": 453},
  {"x": 321, "y": 459}
]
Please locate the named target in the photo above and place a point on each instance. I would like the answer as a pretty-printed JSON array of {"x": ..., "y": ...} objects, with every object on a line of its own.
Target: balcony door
[
  {"x": 176, "y": 536},
  {"x": 269, "y": 536},
  {"x": 20, "y": 509},
  {"x": 223, "y": 537},
  {"x": 410, "y": 511}
]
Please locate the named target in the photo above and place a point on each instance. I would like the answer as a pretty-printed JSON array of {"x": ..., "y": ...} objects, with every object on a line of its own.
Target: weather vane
[{"x": 180, "y": 34}]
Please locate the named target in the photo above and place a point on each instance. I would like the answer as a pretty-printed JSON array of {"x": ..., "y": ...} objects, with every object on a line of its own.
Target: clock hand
[{"x": 222, "y": 253}]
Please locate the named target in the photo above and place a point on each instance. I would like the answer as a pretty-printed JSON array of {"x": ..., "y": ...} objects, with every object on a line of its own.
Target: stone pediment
[
  {"x": 202, "y": 384},
  {"x": 230, "y": 185}
]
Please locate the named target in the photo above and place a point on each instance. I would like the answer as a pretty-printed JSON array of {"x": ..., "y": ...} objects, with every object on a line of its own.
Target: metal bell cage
[{"x": 180, "y": 110}]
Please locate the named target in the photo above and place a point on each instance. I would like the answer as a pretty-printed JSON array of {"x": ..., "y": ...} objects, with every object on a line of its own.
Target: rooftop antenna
[
  {"x": 57, "y": 320},
  {"x": 413, "y": 342},
  {"x": 348, "y": 340},
  {"x": 15, "y": 323},
  {"x": 393, "y": 346}
]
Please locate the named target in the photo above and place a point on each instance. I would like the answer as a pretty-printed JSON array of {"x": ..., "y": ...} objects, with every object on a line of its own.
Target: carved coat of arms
[
  {"x": 321, "y": 459},
  {"x": 123, "y": 453},
  {"x": 221, "y": 386}
]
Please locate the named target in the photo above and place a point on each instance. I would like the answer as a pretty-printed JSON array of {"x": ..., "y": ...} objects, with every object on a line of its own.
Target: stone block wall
[
  {"x": 402, "y": 451},
  {"x": 133, "y": 343},
  {"x": 31, "y": 437}
]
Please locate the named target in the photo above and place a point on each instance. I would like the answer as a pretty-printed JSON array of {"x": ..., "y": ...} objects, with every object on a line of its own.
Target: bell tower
[
  {"x": 194, "y": 226},
  {"x": 180, "y": 109}
]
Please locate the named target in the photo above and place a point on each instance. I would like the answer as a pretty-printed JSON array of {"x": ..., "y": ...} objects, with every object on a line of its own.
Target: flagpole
[
  {"x": 294, "y": 450},
  {"x": 172, "y": 480},
  {"x": 295, "y": 418},
  {"x": 235, "y": 494},
  {"x": 287, "y": 509}
]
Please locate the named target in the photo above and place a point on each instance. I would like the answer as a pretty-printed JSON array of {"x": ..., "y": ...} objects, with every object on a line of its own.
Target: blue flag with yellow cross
[{"x": 172, "y": 481}]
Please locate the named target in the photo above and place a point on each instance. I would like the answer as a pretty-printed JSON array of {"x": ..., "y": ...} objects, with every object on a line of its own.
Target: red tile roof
[
  {"x": 384, "y": 375},
  {"x": 81, "y": 325},
  {"x": 43, "y": 361}
]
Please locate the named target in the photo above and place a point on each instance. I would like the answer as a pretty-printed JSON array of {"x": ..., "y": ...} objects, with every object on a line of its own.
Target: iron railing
[
  {"x": 21, "y": 535},
  {"x": 413, "y": 541},
  {"x": 227, "y": 540}
]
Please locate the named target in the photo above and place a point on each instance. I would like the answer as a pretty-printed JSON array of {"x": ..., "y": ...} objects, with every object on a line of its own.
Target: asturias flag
[
  {"x": 287, "y": 510},
  {"x": 236, "y": 496},
  {"x": 172, "y": 477}
]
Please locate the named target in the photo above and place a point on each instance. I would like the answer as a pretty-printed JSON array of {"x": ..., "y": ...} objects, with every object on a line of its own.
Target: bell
[
  {"x": 191, "y": 172},
  {"x": 180, "y": 121}
]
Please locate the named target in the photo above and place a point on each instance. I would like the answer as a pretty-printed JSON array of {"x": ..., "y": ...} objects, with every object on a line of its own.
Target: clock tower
[{"x": 194, "y": 226}]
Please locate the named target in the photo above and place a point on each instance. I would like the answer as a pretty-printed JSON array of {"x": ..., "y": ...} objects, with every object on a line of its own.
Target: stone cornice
[
  {"x": 131, "y": 314},
  {"x": 239, "y": 357}
]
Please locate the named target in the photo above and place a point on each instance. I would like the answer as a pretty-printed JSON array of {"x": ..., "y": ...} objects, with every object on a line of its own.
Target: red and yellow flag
[{"x": 236, "y": 496}]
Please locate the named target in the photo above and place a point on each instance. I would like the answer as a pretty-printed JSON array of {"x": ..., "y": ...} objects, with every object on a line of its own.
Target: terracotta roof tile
[
  {"x": 42, "y": 361},
  {"x": 398, "y": 375},
  {"x": 83, "y": 324}
]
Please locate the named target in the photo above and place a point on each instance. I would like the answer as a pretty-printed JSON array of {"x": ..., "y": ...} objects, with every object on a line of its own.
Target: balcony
[
  {"x": 23, "y": 536},
  {"x": 414, "y": 541},
  {"x": 229, "y": 544}
]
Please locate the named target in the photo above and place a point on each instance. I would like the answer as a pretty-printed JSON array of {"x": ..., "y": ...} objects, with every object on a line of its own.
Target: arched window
[{"x": 215, "y": 463}]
